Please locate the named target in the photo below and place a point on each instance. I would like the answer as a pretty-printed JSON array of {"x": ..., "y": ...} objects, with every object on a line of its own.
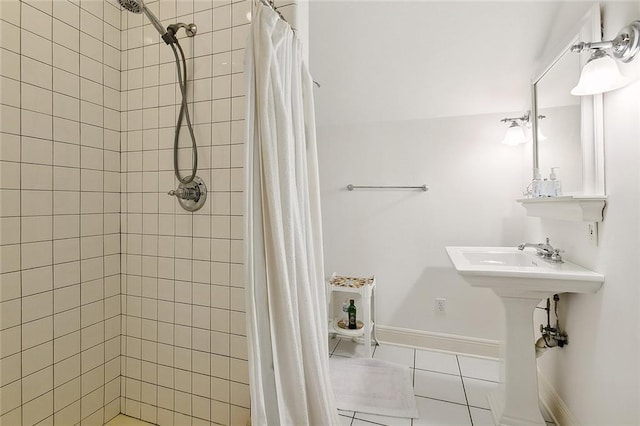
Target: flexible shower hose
[{"x": 184, "y": 113}]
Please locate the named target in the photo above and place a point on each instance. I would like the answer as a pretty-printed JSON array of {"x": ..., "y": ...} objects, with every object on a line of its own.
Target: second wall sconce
[
  {"x": 601, "y": 74},
  {"x": 519, "y": 129}
]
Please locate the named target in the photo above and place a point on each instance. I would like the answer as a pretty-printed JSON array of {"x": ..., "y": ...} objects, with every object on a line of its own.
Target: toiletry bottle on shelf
[
  {"x": 352, "y": 315},
  {"x": 543, "y": 188},
  {"x": 557, "y": 186}
]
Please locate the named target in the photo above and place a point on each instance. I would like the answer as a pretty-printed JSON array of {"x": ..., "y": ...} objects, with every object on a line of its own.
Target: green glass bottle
[{"x": 352, "y": 315}]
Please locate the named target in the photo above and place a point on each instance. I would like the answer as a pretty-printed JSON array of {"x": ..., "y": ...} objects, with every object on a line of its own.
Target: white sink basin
[
  {"x": 507, "y": 269},
  {"x": 521, "y": 279}
]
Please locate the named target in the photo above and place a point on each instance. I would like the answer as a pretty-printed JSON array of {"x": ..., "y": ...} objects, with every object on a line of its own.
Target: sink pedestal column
[{"x": 516, "y": 404}]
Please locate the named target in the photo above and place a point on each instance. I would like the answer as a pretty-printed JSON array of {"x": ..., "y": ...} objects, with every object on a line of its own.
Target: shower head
[
  {"x": 137, "y": 6},
  {"x": 132, "y": 5}
]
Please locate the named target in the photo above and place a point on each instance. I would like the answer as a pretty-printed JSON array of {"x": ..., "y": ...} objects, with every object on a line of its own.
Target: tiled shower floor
[{"x": 450, "y": 389}]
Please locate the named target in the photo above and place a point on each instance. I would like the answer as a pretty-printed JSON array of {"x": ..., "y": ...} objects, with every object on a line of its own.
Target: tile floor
[{"x": 450, "y": 389}]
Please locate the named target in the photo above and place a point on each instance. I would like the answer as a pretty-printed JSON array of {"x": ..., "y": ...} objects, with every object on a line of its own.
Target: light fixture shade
[
  {"x": 515, "y": 135},
  {"x": 541, "y": 137},
  {"x": 600, "y": 74}
]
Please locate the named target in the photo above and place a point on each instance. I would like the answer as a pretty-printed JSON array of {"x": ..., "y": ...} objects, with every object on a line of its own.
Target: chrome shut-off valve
[{"x": 192, "y": 195}]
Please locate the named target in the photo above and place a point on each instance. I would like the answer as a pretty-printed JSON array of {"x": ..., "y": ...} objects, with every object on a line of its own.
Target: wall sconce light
[
  {"x": 517, "y": 131},
  {"x": 601, "y": 74}
]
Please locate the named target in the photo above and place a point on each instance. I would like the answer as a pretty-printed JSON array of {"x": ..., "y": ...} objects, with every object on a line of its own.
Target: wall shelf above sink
[{"x": 576, "y": 208}]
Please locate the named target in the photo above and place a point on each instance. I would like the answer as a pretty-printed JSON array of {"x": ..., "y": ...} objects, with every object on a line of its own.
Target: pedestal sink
[{"x": 521, "y": 279}]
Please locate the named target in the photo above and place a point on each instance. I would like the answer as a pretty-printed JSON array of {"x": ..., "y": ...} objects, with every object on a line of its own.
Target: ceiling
[{"x": 396, "y": 60}]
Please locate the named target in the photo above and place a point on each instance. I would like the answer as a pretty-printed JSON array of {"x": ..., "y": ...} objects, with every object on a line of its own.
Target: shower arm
[
  {"x": 169, "y": 35},
  {"x": 189, "y": 29}
]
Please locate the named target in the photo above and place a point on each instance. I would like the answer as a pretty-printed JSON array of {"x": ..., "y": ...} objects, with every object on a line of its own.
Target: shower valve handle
[
  {"x": 191, "y": 195},
  {"x": 186, "y": 193}
]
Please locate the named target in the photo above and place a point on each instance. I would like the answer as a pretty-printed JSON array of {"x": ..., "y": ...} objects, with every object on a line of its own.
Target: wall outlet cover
[{"x": 592, "y": 233}]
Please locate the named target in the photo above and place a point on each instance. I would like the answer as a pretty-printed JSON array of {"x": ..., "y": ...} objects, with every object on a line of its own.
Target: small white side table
[{"x": 366, "y": 288}]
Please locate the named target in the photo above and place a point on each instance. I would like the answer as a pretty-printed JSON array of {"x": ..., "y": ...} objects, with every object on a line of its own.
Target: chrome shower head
[
  {"x": 137, "y": 6},
  {"x": 134, "y": 6}
]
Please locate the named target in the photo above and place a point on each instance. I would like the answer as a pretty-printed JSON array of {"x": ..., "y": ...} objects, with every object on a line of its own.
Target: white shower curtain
[{"x": 286, "y": 296}]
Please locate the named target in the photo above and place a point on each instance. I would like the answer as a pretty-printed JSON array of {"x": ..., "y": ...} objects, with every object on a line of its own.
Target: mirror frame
[{"x": 591, "y": 114}]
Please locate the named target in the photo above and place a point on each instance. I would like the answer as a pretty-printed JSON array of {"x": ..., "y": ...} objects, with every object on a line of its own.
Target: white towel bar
[{"x": 351, "y": 187}]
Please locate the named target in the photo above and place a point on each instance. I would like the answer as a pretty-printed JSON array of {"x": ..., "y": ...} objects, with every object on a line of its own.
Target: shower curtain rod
[{"x": 270, "y": 4}]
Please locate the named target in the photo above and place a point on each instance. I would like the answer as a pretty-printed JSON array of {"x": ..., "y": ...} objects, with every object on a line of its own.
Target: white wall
[
  {"x": 400, "y": 235},
  {"x": 598, "y": 374},
  {"x": 388, "y": 82}
]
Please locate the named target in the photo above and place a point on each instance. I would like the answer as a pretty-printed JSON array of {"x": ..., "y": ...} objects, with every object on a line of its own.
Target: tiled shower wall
[
  {"x": 65, "y": 171},
  {"x": 59, "y": 212},
  {"x": 184, "y": 344}
]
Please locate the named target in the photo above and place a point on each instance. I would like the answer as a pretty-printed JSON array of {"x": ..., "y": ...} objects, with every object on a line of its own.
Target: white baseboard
[
  {"x": 439, "y": 341},
  {"x": 555, "y": 406}
]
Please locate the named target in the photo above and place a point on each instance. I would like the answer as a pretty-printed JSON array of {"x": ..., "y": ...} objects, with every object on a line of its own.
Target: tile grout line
[
  {"x": 21, "y": 407},
  {"x": 53, "y": 292},
  {"x": 227, "y": 143},
  {"x": 79, "y": 118},
  {"x": 157, "y": 313},
  {"x": 413, "y": 377},
  {"x": 124, "y": 200},
  {"x": 464, "y": 389},
  {"x": 104, "y": 334}
]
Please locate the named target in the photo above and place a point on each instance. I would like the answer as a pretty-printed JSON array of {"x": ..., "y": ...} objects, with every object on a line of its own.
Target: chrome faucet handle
[
  {"x": 546, "y": 248},
  {"x": 186, "y": 193}
]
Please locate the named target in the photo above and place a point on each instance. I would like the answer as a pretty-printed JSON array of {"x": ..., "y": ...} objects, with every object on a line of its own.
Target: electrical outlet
[
  {"x": 592, "y": 233},
  {"x": 440, "y": 305}
]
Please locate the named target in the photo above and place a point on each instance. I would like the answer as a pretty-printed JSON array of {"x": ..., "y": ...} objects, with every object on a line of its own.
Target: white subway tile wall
[
  {"x": 112, "y": 298},
  {"x": 59, "y": 212},
  {"x": 183, "y": 331}
]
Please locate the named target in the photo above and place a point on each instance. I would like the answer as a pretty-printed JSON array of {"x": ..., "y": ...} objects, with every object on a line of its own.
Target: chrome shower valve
[{"x": 192, "y": 195}]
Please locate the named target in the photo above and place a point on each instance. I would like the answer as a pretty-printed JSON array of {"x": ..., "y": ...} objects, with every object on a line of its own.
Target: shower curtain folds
[{"x": 286, "y": 298}]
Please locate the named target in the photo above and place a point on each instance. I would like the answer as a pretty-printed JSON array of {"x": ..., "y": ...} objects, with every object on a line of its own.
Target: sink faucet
[{"x": 544, "y": 250}]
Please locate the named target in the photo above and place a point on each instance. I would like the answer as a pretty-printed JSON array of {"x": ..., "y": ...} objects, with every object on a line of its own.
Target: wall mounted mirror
[{"x": 567, "y": 129}]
